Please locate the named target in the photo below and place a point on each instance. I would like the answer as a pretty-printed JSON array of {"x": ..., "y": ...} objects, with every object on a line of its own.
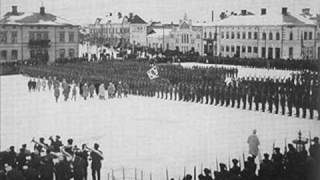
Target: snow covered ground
[
  {"x": 247, "y": 71},
  {"x": 143, "y": 133}
]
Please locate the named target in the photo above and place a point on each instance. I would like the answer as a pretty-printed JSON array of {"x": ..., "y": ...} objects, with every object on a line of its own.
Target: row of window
[
  {"x": 62, "y": 53},
  {"x": 4, "y": 37},
  {"x": 4, "y": 54},
  {"x": 251, "y": 49},
  {"x": 62, "y": 37}
]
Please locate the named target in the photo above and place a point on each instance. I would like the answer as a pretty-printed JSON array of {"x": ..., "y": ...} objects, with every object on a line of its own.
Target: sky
[{"x": 86, "y": 11}]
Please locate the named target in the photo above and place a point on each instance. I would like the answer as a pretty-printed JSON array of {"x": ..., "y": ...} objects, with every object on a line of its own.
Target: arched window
[
  {"x": 205, "y": 34},
  {"x": 291, "y": 36},
  {"x": 264, "y": 36},
  {"x": 278, "y": 36},
  {"x": 270, "y": 36}
]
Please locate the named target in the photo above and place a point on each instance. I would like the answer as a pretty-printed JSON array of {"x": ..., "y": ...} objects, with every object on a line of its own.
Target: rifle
[
  {"x": 309, "y": 139},
  {"x": 40, "y": 144},
  {"x": 217, "y": 165},
  {"x": 95, "y": 151},
  {"x": 243, "y": 158},
  {"x": 229, "y": 162},
  {"x": 240, "y": 163}
]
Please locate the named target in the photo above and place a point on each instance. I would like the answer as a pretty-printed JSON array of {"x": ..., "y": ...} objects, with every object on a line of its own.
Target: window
[
  {"x": 222, "y": 35},
  {"x": 290, "y": 52},
  {"x": 227, "y": 35},
  {"x": 71, "y": 36},
  {"x": 238, "y": 35},
  {"x": 277, "y": 36},
  {"x": 14, "y": 37},
  {"x": 310, "y": 35},
  {"x": 249, "y": 35},
  {"x": 305, "y": 36},
  {"x": 291, "y": 36},
  {"x": 14, "y": 54},
  {"x": 227, "y": 48},
  {"x": 205, "y": 35},
  {"x": 71, "y": 53},
  {"x": 62, "y": 53},
  {"x": 46, "y": 35},
  {"x": 232, "y": 35},
  {"x": 243, "y": 35},
  {"x": 3, "y": 55},
  {"x": 255, "y": 49},
  {"x": 3, "y": 37},
  {"x": 255, "y": 35},
  {"x": 270, "y": 36},
  {"x": 222, "y": 48},
  {"x": 249, "y": 49},
  {"x": 232, "y": 48},
  {"x": 243, "y": 49},
  {"x": 61, "y": 37},
  {"x": 264, "y": 36},
  {"x": 210, "y": 35}
]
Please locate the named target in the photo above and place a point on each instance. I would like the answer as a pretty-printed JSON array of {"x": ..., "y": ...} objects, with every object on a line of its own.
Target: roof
[
  {"x": 22, "y": 18},
  {"x": 157, "y": 32},
  {"x": 135, "y": 19},
  {"x": 265, "y": 20}
]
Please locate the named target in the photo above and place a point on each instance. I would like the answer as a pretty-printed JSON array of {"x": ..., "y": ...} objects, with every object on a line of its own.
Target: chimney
[
  {"x": 212, "y": 16},
  {"x": 14, "y": 10},
  {"x": 42, "y": 10},
  {"x": 284, "y": 11},
  {"x": 263, "y": 11},
  {"x": 243, "y": 12},
  {"x": 306, "y": 11}
]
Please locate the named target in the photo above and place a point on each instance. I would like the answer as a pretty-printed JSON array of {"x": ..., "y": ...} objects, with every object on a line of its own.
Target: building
[
  {"x": 159, "y": 36},
  {"x": 119, "y": 31},
  {"x": 265, "y": 35},
  {"x": 186, "y": 37},
  {"x": 39, "y": 35}
]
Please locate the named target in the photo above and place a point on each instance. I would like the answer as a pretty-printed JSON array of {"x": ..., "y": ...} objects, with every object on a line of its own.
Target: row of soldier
[
  {"x": 48, "y": 162},
  {"x": 293, "y": 164}
]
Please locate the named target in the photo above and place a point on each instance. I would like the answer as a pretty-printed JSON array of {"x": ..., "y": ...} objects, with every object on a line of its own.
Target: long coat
[{"x": 253, "y": 142}]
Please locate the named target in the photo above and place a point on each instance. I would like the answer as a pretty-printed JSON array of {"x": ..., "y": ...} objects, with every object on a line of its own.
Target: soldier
[
  {"x": 125, "y": 89},
  {"x": 235, "y": 169},
  {"x": 257, "y": 99},
  {"x": 91, "y": 90},
  {"x": 74, "y": 92},
  {"x": 56, "y": 144},
  {"x": 276, "y": 101},
  {"x": 119, "y": 89},
  {"x": 56, "y": 93},
  {"x": 277, "y": 159},
  {"x": 270, "y": 101},
  {"x": 283, "y": 103},
  {"x": 216, "y": 93},
  {"x": 50, "y": 83},
  {"x": 263, "y": 100},
  {"x": 85, "y": 90},
  {"x": 96, "y": 162},
  {"x": 44, "y": 83},
  {"x": 29, "y": 85},
  {"x": 266, "y": 170}
]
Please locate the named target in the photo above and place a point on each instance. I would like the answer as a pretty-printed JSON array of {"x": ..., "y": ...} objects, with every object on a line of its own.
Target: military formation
[
  {"x": 50, "y": 161},
  {"x": 293, "y": 163},
  {"x": 296, "y": 96}
]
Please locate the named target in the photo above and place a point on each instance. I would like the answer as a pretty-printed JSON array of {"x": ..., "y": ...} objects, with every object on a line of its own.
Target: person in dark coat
[
  {"x": 96, "y": 162},
  {"x": 235, "y": 169},
  {"x": 13, "y": 173}
]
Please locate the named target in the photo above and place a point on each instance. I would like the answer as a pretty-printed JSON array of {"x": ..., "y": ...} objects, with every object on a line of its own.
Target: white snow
[{"x": 139, "y": 132}]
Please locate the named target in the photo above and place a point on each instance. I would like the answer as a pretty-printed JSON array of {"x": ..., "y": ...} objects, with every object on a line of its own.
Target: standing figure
[
  {"x": 253, "y": 142},
  {"x": 85, "y": 90},
  {"x": 102, "y": 92},
  {"x": 56, "y": 93},
  {"x": 44, "y": 83},
  {"x": 74, "y": 92},
  {"x": 96, "y": 157}
]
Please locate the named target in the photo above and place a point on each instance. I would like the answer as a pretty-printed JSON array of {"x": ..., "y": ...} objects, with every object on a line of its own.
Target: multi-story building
[
  {"x": 275, "y": 35},
  {"x": 118, "y": 30},
  {"x": 40, "y": 35},
  {"x": 186, "y": 37},
  {"x": 159, "y": 37}
]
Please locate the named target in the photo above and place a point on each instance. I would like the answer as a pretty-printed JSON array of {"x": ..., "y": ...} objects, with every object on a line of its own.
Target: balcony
[{"x": 44, "y": 43}]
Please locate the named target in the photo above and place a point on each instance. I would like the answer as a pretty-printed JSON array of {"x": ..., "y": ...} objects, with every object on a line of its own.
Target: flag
[{"x": 153, "y": 73}]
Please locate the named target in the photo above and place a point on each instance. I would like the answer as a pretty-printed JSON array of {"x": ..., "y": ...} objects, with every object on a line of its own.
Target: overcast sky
[{"x": 86, "y": 11}]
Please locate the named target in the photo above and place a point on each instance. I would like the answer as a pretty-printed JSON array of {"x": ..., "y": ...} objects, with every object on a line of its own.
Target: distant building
[
  {"x": 39, "y": 35},
  {"x": 159, "y": 36},
  {"x": 266, "y": 35},
  {"x": 186, "y": 37},
  {"x": 118, "y": 30}
]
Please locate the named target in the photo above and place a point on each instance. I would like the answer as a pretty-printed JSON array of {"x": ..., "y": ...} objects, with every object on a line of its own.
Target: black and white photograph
[{"x": 159, "y": 90}]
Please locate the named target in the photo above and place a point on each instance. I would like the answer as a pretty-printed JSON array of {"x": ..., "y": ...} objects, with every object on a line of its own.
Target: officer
[{"x": 276, "y": 101}]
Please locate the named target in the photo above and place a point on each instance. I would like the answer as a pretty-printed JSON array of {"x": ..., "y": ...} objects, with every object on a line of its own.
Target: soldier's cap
[
  {"x": 222, "y": 165},
  {"x": 235, "y": 161},
  {"x": 206, "y": 170},
  {"x": 41, "y": 139},
  {"x": 266, "y": 155},
  {"x": 24, "y": 145},
  {"x": 315, "y": 139},
  {"x": 58, "y": 137},
  {"x": 96, "y": 145}
]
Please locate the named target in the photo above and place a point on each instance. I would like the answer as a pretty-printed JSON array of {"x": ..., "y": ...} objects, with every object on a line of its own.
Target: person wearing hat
[
  {"x": 235, "y": 170},
  {"x": 277, "y": 159},
  {"x": 207, "y": 174},
  {"x": 266, "y": 168},
  {"x": 56, "y": 144},
  {"x": 96, "y": 157}
]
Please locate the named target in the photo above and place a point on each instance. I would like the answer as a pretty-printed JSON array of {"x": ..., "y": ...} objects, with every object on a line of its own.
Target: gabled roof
[
  {"x": 135, "y": 19},
  {"x": 22, "y": 18},
  {"x": 159, "y": 32}
]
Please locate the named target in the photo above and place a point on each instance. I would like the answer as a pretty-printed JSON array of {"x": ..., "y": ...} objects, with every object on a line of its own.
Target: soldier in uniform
[
  {"x": 276, "y": 101},
  {"x": 96, "y": 162},
  {"x": 56, "y": 93},
  {"x": 235, "y": 169}
]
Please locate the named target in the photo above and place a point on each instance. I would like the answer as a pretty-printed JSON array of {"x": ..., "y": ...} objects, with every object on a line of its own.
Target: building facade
[
  {"x": 186, "y": 37},
  {"x": 273, "y": 36},
  {"x": 119, "y": 31},
  {"x": 40, "y": 35}
]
